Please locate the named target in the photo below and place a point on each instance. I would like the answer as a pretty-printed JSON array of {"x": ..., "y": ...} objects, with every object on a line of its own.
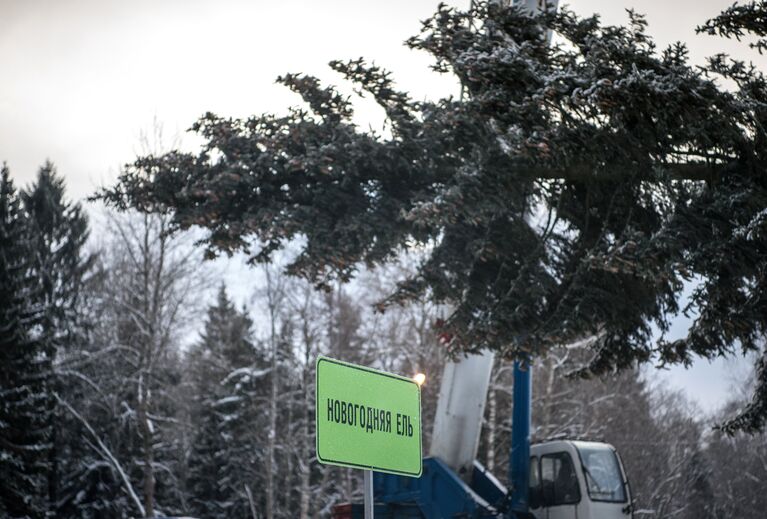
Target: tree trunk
[
  {"x": 307, "y": 439},
  {"x": 270, "y": 461},
  {"x": 150, "y": 315},
  {"x": 548, "y": 401},
  {"x": 306, "y": 462},
  {"x": 146, "y": 440},
  {"x": 272, "y": 432},
  {"x": 53, "y": 459},
  {"x": 288, "y": 478}
]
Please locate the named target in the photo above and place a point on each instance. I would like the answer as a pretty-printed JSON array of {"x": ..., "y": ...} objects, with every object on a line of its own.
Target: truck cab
[{"x": 575, "y": 479}]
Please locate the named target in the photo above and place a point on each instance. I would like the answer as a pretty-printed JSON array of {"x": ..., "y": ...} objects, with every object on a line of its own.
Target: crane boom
[{"x": 460, "y": 410}]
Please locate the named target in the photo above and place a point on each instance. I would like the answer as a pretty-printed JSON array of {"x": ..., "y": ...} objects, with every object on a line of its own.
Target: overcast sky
[{"x": 80, "y": 80}]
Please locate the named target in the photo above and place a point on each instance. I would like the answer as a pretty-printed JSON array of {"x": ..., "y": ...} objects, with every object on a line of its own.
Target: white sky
[{"x": 80, "y": 80}]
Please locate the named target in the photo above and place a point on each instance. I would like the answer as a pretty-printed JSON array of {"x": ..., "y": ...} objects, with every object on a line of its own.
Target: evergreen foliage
[
  {"x": 225, "y": 369},
  {"x": 573, "y": 191},
  {"x": 59, "y": 231},
  {"x": 25, "y": 365}
]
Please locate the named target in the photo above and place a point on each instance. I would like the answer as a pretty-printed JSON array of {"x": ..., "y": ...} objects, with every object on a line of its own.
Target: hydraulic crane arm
[{"x": 460, "y": 410}]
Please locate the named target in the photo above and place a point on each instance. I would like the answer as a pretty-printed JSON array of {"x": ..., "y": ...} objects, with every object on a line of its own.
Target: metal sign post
[{"x": 368, "y": 490}]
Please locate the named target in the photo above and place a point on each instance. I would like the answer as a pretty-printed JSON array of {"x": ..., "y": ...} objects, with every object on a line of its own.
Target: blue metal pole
[{"x": 519, "y": 458}]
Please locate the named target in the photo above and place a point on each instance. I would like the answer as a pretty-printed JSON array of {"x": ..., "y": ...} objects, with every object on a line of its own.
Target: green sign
[{"x": 367, "y": 419}]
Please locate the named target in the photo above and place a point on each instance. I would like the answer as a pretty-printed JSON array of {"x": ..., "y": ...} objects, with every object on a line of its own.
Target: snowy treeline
[{"x": 107, "y": 411}]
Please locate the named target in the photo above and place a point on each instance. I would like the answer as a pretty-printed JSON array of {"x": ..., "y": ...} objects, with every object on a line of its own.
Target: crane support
[{"x": 519, "y": 458}]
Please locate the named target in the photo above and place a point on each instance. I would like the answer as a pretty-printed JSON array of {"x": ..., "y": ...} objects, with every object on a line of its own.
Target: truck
[{"x": 555, "y": 479}]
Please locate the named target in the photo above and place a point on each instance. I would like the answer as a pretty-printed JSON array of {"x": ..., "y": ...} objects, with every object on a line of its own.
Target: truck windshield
[{"x": 603, "y": 474}]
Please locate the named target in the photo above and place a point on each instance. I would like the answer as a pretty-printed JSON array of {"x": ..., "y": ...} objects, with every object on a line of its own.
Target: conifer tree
[
  {"x": 225, "y": 369},
  {"x": 572, "y": 192},
  {"x": 58, "y": 231},
  {"x": 24, "y": 368}
]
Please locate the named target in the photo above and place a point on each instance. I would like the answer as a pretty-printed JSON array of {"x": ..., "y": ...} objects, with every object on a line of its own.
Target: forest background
[
  {"x": 162, "y": 395},
  {"x": 144, "y": 390}
]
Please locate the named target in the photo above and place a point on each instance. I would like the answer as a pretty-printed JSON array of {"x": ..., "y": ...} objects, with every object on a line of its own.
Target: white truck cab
[{"x": 578, "y": 480}]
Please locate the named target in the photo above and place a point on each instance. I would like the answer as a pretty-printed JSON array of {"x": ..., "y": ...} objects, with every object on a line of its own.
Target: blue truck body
[{"x": 441, "y": 494}]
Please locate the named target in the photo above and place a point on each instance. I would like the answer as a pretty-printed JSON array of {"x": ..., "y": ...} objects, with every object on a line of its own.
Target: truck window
[
  {"x": 604, "y": 480},
  {"x": 559, "y": 484}
]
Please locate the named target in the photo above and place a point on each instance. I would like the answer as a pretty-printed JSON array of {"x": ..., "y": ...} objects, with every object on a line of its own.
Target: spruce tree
[
  {"x": 573, "y": 191},
  {"x": 227, "y": 376},
  {"x": 24, "y": 368},
  {"x": 58, "y": 231},
  {"x": 59, "y": 234}
]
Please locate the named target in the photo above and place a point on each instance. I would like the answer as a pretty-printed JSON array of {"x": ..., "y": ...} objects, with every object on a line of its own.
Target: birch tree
[
  {"x": 305, "y": 305},
  {"x": 125, "y": 382}
]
